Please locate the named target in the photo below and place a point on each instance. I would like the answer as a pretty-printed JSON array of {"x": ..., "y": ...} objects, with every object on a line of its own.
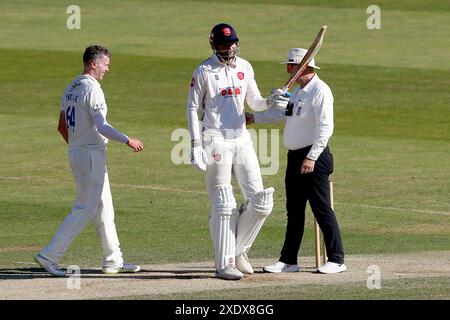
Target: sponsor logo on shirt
[
  {"x": 74, "y": 86},
  {"x": 98, "y": 107},
  {"x": 230, "y": 91}
]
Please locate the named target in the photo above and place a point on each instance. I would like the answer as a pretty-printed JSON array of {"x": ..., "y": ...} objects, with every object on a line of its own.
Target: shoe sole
[
  {"x": 280, "y": 271},
  {"x": 43, "y": 267},
  {"x": 121, "y": 271},
  {"x": 339, "y": 271},
  {"x": 110, "y": 272},
  {"x": 271, "y": 271},
  {"x": 230, "y": 278}
]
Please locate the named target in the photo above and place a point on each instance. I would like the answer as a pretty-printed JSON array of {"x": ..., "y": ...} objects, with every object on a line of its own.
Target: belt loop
[{"x": 229, "y": 134}]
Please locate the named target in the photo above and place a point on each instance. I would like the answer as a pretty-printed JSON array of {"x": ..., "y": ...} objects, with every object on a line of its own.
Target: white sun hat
[{"x": 296, "y": 55}]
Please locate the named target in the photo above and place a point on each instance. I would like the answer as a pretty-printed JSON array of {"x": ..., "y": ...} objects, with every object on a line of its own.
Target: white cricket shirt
[
  {"x": 311, "y": 122},
  {"x": 219, "y": 91},
  {"x": 82, "y": 101}
]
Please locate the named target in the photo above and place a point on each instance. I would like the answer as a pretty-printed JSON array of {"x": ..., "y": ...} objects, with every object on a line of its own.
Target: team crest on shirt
[
  {"x": 240, "y": 75},
  {"x": 217, "y": 157}
]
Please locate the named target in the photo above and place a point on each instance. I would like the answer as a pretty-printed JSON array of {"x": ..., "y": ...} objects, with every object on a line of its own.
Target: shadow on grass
[{"x": 38, "y": 273}]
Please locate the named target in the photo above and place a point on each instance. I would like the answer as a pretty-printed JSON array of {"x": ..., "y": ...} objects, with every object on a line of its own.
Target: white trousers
[
  {"x": 227, "y": 157},
  {"x": 94, "y": 202}
]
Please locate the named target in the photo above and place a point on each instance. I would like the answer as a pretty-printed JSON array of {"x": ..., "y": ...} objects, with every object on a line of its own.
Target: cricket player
[
  {"x": 222, "y": 147},
  {"x": 83, "y": 125}
]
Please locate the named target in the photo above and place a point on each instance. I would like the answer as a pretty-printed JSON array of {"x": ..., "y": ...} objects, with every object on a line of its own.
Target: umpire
[{"x": 309, "y": 126}]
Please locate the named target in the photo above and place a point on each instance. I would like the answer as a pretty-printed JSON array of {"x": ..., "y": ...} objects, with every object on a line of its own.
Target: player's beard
[{"x": 227, "y": 56}]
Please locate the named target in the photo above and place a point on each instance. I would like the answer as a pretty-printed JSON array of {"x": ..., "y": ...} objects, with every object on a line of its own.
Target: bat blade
[{"x": 312, "y": 51}]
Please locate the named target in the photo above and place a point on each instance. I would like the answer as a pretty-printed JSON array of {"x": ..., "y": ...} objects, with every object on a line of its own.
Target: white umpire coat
[{"x": 311, "y": 123}]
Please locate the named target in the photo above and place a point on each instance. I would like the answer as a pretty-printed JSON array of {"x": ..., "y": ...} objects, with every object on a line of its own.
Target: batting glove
[
  {"x": 278, "y": 99},
  {"x": 198, "y": 155}
]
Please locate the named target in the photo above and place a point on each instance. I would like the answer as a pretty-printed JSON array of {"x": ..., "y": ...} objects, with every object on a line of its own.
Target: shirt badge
[{"x": 299, "y": 107}]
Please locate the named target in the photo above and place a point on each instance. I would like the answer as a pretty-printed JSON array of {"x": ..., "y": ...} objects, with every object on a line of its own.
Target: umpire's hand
[{"x": 307, "y": 166}]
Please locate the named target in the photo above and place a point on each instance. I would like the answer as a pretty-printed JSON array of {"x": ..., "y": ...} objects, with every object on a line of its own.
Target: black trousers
[{"x": 313, "y": 187}]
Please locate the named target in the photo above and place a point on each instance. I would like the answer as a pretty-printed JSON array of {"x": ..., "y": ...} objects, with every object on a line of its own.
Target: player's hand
[
  {"x": 135, "y": 144},
  {"x": 249, "y": 118},
  {"x": 278, "y": 99},
  {"x": 277, "y": 92},
  {"x": 198, "y": 156},
  {"x": 307, "y": 166}
]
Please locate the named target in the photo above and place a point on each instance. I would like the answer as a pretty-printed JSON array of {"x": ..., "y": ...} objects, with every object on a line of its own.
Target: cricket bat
[{"x": 312, "y": 51}]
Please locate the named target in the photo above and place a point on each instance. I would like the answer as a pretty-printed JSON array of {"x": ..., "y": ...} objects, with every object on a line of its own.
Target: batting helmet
[{"x": 224, "y": 34}]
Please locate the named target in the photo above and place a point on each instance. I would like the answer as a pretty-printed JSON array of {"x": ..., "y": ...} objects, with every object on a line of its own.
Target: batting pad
[
  {"x": 222, "y": 225},
  {"x": 254, "y": 212}
]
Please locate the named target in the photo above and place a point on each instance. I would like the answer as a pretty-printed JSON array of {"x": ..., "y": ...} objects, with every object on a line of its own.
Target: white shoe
[
  {"x": 50, "y": 266},
  {"x": 229, "y": 273},
  {"x": 243, "y": 264},
  {"x": 125, "y": 268},
  {"x": 332, "y": 267},
  {"x": 281, "y": 267}
]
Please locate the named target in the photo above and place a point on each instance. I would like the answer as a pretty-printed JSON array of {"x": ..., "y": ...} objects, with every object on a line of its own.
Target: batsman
[{"x": 222, "y": 147}]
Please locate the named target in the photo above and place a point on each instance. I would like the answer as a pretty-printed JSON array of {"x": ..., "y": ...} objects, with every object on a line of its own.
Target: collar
[
  {"x": 91, "y": 78},
  {"x": 311, "y": 83}
]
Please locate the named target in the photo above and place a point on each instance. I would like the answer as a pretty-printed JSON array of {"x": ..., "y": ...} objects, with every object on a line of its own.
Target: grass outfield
[{"x": 391, "y": 140}]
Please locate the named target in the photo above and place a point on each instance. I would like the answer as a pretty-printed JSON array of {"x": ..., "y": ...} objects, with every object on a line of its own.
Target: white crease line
[
  {"x": 18, "y": 249},
  {"x": 159, "y": 188},
  {"x": 396, "y": 209},
  {"x": 147, "y": 187}
]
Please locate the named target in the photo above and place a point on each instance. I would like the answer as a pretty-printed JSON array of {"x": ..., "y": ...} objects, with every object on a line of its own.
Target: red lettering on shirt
[{"x": 230, "y": 91}]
